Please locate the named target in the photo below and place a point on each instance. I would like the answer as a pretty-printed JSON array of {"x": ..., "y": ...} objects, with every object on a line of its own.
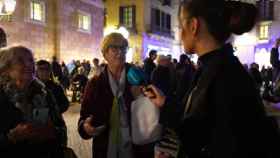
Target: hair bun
[{"x": 242, "y": 16}]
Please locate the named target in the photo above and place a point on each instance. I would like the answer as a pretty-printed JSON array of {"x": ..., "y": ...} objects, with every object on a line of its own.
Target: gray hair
[
  {"x": 10, "y": 55},
  {"x": 113, "y": 39}
]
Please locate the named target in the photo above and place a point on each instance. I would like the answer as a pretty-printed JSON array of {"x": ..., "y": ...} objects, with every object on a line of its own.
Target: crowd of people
[{"x": 212, "y": 109}]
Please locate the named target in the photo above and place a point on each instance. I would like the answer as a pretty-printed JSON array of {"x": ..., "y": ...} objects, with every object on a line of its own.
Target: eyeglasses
[{"x": 117, "y": 48}]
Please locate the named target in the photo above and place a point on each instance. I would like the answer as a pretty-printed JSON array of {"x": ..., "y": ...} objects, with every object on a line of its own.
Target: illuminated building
[
  {"x": 150, "y": 23},
  {"x": 69, "y": 29},
  {"x": 256, "y": 45}
]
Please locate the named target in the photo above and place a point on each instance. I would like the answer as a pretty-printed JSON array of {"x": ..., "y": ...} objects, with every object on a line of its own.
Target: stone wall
[{"x": 59, "y": 34}]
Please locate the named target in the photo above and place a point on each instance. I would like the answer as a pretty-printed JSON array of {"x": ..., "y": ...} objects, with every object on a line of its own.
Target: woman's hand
[
  {"x": 155, "y": 95},
  {"x": 20, "y": 133},
  {"x": 89, "y": 129},
  {"x": 32, "y": 132}
]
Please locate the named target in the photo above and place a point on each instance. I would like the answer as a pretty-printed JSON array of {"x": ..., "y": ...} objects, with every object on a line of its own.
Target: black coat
[
  {"x": 161, "y": 78},
  {"x": 11, "y": 116},
  {"x": 149, "y": 66},
  {"x": 60, "y": 97},
  {"x": 274, "y": 58},
  {"x": 226, "y": 116}
]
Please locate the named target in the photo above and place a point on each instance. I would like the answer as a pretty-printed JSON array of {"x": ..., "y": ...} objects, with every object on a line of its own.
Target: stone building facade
[{"x": 68, "y": 29}]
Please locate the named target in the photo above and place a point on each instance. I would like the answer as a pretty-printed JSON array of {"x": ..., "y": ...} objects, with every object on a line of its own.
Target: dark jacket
[
  {"x": 11, "y": 116},
  {"x": 161, "y": 78},
  {"x": 257, "y": 77},
  {"x": 98, "y": 100},
  {"x": 275, "y": 62},
  {"x": 57, "y": 91},
  {"x": 149, "y": 66},
  {"x": 57, "y": 71},
  {"x": 274, "y": 58},
  {"x": 184, "y": 76},
  {"x": 226, "y": 116}
]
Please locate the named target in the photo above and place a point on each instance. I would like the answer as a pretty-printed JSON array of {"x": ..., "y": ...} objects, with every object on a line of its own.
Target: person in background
[
  {"x": 256, "y": 75},
  {"x": 175, "y": 62},
  {"x": 172, "y": 72},
  {"x": 223, "y": 115},
  {"x": 185, "y": 72},
  {"x": 246, "y": 67},
  {"x": 44, "y": 73},
  {"x": 79, "y": 82},
  {"x": 31, "y": 125},
  {"x": 65, "y": 79},
  {"x": 274, "y": 61},
  {"x": 3, "y": 38},
  {"x": 96, "y": 68},
  {"x": 161, "y": 76},
  {"x": 149, "y": 64},
  {"x": 56, "y": 69}
]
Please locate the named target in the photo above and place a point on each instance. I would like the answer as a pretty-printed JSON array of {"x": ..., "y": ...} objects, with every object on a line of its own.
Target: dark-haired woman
[{"x": 223, "y": 114}]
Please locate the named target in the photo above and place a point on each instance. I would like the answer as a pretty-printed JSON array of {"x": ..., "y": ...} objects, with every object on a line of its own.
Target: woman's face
[
  {"x": 22, "y": 70},
  {"x": 186, "y": 34},
  {"x": 115, "y": 55}
]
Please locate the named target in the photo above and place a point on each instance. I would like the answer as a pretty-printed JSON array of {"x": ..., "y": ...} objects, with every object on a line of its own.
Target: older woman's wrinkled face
[
  {"x": 22, "y": 70},
  {"x": 115, "y": 55}
]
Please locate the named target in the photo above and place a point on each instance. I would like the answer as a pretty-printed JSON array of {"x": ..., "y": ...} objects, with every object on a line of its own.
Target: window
[
  {"x": 127, "y": 16},
  {"x": 161, "y": 22},
  {"x": 84, "y": 21},
  {"x": 266, "y": 9},
  {"x": 264, "y": 32},
  {"x": 37, "y": 11}
]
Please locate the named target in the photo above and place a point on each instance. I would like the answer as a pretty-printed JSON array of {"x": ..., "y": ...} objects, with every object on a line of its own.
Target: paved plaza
[{"x": 81, "y": 147}]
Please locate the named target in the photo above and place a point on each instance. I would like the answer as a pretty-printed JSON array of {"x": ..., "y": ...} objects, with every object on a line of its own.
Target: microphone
[{"x": 137, "y": 77}]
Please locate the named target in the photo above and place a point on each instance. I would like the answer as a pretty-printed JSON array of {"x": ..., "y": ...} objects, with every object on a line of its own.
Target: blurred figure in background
[
  {"x": 65, "y": 82},
  {"x": 149, "y": 64},
  {"x": 256, "y": 75},
  {"x": 56, "y": 69},
  {"x": 44, "y": 73},
  {"x": 274, "y": 61},
  {"x": 185, "y": 72},
  {"x": 3, "y": 38},
  {"x": 96, "y": 69},
  {"x": 161, "y": 76},
  {"x": 78, "y": 83}
]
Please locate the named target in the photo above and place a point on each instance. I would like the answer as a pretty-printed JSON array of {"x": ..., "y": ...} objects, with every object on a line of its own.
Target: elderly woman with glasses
[
  {"x": 105, "y": 113},
  {"x": 31, "y": 125}
]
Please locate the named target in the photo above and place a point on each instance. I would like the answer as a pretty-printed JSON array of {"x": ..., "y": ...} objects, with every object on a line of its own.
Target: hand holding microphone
[{"x": 136, "y": 77}]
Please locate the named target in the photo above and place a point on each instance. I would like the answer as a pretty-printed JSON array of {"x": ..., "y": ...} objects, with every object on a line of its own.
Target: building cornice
[{"x": 97, "y": 3}]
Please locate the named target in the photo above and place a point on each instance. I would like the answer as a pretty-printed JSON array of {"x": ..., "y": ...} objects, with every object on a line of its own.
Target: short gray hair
[
  {"x": 10, "y": 55},
  {"x": 113, "y": 39}
]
